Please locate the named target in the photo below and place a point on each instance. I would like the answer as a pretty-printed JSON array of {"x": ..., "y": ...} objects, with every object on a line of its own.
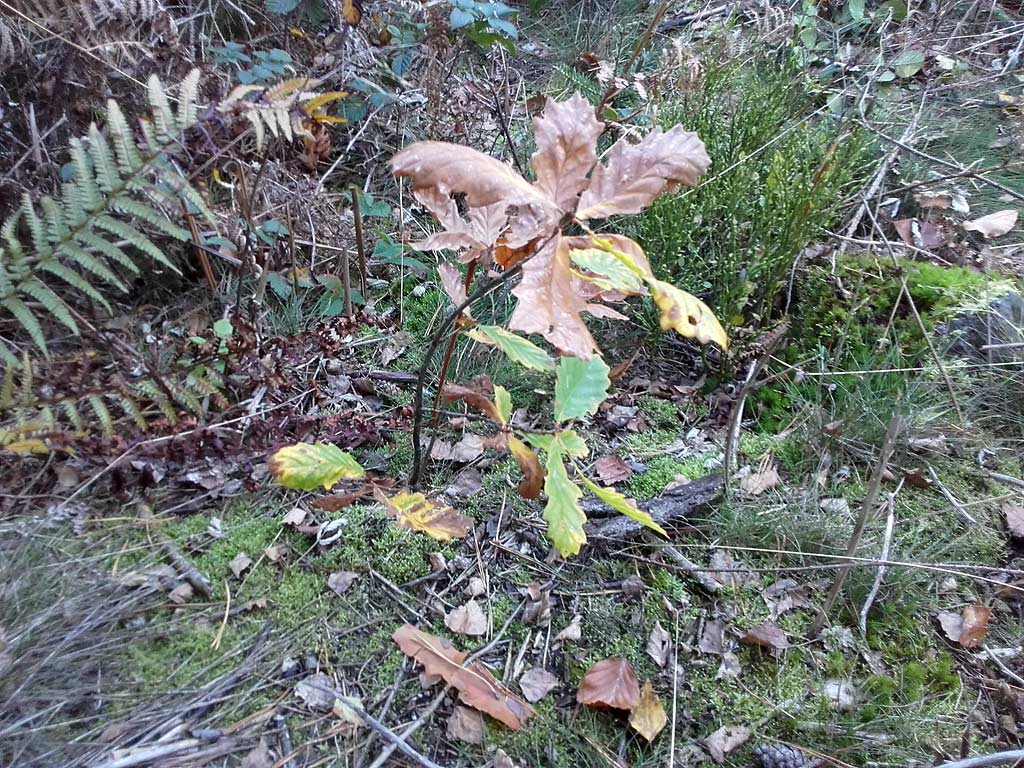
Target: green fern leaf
[
  {"x": 73, "y": 414},
  {"x": 51, "y": 302},
  {"x": 187, "y": 95},
  {"x": 108, "y": 249},
  {"x": 133, "y": 237},
  {"x": 166, "y": 127},
  {"x": 56, "y": 227},
  {"x": 28, "y": 321},
  {"x": 35, "y": 227},
  {"x": 85, "y": 177},
  {"x": 102, "y": 414},
  {"x": 129, "y": 160},
  {"x": 7, "y": 385},
  {"x": 75, "y": 280},
  {"x": 7, "y": 357},
  {"x": 132, "y": 410},
  {"x": 90, "y": 263},
  {"x": 153, "y": 217},
  {"x": 103, "y": 161}
]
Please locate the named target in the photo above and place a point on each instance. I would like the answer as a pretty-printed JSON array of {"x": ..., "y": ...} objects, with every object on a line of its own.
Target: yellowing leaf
[
  {"x": 305, "y": 466},
  {"x": 416, "y": 511},
  {"x": 564, "y": 517},
  {"x": 687, "y": 315},
  {"x": 32, "y": 445},
  {"x": 314, "y": 107},
  {"x": 612, "y": 273},
  {"x": 580, "y": 387},
  {"x": 623, "y": 504},
  {"x": 503, "y": 402},
  {"x": 529, "y": 465},
  {"x": 351, "y": 12},
  {"x": 648, "y": 718},
  {"x": 515, "y": 347}
]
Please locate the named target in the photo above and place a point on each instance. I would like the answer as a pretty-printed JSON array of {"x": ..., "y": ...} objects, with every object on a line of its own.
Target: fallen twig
[
  {"x": 890, "y": 525},
  {"x": 982, "y": 761},
  {"x": 953, "y": 500}
]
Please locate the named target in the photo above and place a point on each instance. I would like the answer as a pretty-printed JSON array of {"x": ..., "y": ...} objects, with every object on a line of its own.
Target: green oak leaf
[
  {"x": 567, "y": 442},
  {"x": 564, "y": 517},
  {"x": 306, "y": 466},
  {"x": 580, "y": 387},
  {"x": 518, "y": 349},
  {"x": 614, "y": 274}
]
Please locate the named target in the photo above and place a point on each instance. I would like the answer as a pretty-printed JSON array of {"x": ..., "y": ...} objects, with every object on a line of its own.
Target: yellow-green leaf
[
  {"x": 687, "y": 315},
  {"x": 623, "y": 504},
  {"x": 416, "y": 511},
  {"x": 503, "y": 402},
  {"x": 518, "y": 349},
  {"x": 614, "y": 274},
  {"x": 306, "y": 466},
  {"x": 565, "y": 442},
  {"x": 564, "y": 517},
  {"x": 580, "y": 387}
]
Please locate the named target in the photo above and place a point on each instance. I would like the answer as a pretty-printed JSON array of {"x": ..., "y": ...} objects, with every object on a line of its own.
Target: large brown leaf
[
  {"x": 549, "y": 303},
  {"x": 635, "y": 174},
  {"x": 477, "y": 396},
  {"x": 610, "y": 683},
  {"x": 476, "y": 235},
  {"x": 451, "y": 168},
  {"x": 566, "y": 136},
  {"x": 475, "y": 684}
]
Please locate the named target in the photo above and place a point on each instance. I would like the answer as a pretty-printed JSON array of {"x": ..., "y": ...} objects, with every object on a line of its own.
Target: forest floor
[{"x": 164, "y": 603}]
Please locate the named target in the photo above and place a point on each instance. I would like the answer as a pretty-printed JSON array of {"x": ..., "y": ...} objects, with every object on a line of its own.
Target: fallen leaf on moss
[
  {"x": 240, "y": 563},
  {"x": 1014, "y": 519},
  {"x": 767, "y": 635},
  {"x": 468, "y": 619},
  {"x": 341, "y": 581},
  {"x": 968, "y": 628},
  {"x": 610, "y": 683},
  {"x": 414, "y": 510},
  {"x": 537, "y": 683},
  {"x": 648, "y": 718},
  {"x": 994, "y": 225},
  {"x": 726, "y": 740},
  {"x": 475, "y": 684},
  {"x": 659, "y": 645},
  {"x": 466, "y": 725}
]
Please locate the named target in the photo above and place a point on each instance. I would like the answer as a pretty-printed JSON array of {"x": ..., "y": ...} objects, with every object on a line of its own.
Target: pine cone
[{"x": 781, "y": 756}]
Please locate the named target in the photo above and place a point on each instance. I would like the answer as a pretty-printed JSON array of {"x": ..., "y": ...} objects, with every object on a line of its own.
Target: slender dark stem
[
  {"x": 470, "y": 272},
  {"x": 357, "y": 218},
  {"x": 439, "y": 336}
]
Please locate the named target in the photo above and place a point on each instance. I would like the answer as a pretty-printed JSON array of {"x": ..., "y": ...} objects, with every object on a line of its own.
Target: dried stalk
[
  {"x": 870, "y": 500},
  {"x": 357, "y": 218}
]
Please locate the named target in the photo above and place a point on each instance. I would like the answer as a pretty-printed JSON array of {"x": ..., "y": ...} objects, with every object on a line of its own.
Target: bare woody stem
[
  {"x": 870, "y": 501},
  {"x": 357, "y": 218},
  {"x": 443, "y": 331}
]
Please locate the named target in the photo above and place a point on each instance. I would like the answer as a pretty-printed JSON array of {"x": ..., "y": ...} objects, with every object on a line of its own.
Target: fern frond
[
  {"x": 74, "y": 415},
  {"x": 132, "y": 410},
  {"x": 102, "y": 414},
  {"x": 119, "y": 187}
]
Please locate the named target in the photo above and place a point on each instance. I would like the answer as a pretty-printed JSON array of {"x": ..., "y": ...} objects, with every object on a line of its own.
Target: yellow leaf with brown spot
[
  {"x": 416, "y": 511},
  {"x": 687, "y": 315},
  {"x": 306, "y": 466}
]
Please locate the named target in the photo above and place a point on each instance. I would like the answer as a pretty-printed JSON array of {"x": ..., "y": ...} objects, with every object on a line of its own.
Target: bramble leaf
[
  {"x": 580, "y": 387},
  {"x": 306, "y": 466}
]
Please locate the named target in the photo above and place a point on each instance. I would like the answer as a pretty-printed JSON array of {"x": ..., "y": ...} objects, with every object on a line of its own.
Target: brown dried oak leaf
[{"x": 475, "y": 684}]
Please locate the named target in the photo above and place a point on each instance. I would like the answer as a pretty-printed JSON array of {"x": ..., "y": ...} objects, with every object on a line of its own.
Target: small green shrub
[{"x": 775, "y": 182}]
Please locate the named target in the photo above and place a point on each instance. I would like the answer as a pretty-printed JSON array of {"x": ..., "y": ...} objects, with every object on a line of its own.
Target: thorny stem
[{"x": 421, "y": 376}]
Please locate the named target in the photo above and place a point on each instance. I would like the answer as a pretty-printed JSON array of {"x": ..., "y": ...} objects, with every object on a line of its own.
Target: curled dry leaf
[
  {"x": 341, "y": 582},
  {"x": 612, "y": 469},
  {"x": 659, "y": 645},
  {"x": 477, "y": 396},
  {"x": 468, "y": 619},
  {"x": 240, "y": 563},
  {"x": 475, "y": 684},
  {"x": 763, "y": 479},
  {"x": 993, "y": 225},
  {"x": 572, "y": 633},
  {"x": 610, "y": 683},
  {"x": 1014, "y": 519},
  {"x": 648, "y": 718},
  {"x": 414, "y": 510},
  {"x": 566, "y": 136},
  {"x": 549, "y": 303}
]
